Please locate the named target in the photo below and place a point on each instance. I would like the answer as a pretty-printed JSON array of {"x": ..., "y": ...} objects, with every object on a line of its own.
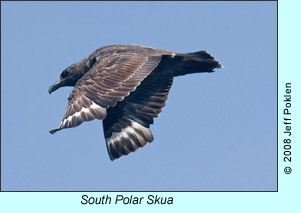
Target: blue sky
[{"x": 217, "y": 131}]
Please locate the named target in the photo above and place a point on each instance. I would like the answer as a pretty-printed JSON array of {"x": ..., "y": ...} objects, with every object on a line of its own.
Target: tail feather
[{"x": 195, "y": 62}]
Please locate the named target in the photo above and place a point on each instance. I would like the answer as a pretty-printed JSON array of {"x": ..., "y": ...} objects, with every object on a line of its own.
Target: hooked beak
[{"x": 55, "y": 86}]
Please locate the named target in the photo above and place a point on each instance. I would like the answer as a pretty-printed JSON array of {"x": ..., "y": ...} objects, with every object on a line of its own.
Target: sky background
[{"x": 217, "y": 131}]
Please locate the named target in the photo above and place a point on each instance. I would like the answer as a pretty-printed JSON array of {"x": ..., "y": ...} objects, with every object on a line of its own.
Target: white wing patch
[
  {"x": 84, "y": 114},
  {"x": 76, "y": 117},
  {"x": 129, "y": 139}
]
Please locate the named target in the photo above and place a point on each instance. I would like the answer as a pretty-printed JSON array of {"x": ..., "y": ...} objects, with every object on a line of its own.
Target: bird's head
[{"x": 72, "y": 74}]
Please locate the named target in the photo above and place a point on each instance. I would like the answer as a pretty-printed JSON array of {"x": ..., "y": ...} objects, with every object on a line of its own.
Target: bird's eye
[
  {"x": 92, "y": 62},
  {"x": 64, "y": 74}
]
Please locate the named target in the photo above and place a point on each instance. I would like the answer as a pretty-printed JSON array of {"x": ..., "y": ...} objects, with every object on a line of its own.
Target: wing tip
[
  {"x": 52, "y": 131},
  {"x": 220, "y": 66}
]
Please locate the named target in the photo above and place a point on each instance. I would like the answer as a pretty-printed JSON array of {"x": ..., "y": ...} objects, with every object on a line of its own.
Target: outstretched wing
[
  {"x": 126, "y": 127},
  {"x": 106, "y": 83}
]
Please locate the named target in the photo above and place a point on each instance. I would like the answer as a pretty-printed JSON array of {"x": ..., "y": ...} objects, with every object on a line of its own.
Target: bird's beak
[{"x": 55, "y": 86}]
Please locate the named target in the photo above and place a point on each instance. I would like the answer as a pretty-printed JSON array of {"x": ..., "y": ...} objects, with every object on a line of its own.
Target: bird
[{"x": 125, "y": 86}]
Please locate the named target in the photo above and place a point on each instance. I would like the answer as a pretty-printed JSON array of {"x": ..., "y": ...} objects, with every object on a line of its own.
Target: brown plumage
[{"x": 126, "y": 86}]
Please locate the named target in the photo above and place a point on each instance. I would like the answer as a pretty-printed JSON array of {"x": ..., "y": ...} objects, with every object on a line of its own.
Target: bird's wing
[
  {"x": 104, "y": 85},
  {"x": 126, "y": 128}
]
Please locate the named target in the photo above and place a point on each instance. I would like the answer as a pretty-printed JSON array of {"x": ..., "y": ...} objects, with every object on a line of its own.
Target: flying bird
[{"x": 126, "y": 86}]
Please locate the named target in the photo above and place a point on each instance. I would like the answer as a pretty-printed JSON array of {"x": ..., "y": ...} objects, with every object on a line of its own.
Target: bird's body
[{"x": 126, "y": 86}]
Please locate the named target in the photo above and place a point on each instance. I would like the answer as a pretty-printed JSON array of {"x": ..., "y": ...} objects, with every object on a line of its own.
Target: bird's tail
[{"x": 195, "y": 62}]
